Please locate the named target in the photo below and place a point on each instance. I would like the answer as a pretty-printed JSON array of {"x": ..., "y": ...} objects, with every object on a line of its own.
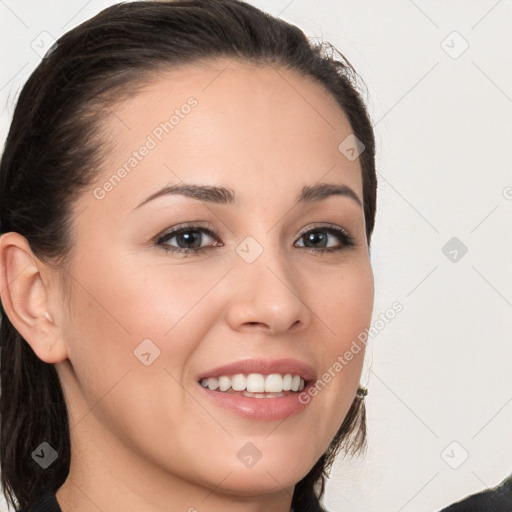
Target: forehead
[{"x": 227, "y": 122}]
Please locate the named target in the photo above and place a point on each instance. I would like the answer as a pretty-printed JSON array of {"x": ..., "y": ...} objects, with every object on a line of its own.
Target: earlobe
[{"x": 25, "y": 298}]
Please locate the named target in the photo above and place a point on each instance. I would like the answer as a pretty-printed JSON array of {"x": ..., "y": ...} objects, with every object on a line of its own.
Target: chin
[
  {"x": 264, "y": 476},
  {"x": 254, "y": 482}
]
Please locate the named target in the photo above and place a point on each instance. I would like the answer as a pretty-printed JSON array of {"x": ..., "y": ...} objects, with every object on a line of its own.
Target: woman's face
[{"x": 270, "y": 284}]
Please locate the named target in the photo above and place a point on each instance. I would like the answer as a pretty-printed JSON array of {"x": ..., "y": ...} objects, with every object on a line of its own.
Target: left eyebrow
[
  {"x": 223, "y": 195},
  {"x": 325, "y": 190}
]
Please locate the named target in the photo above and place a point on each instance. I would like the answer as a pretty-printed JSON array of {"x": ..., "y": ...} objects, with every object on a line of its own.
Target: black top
[{"x": 44, "y": 501}]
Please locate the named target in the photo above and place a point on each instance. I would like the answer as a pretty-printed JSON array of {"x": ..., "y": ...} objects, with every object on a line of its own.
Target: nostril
[{"x": 255, "y": 324}]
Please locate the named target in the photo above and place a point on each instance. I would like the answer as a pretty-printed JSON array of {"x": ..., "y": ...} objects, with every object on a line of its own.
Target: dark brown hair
[{"x": 53, "y": 151}]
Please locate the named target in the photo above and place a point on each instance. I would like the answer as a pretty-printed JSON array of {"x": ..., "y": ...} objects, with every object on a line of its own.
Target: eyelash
[{"x": 346, "y": 240}]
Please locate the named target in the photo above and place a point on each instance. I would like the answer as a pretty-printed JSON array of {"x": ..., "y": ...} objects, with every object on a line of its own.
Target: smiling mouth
[{"x": 256, "y": 385}]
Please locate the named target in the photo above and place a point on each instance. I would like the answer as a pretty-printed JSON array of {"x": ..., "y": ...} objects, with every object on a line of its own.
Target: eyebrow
[{"x": 223, "y": 195}]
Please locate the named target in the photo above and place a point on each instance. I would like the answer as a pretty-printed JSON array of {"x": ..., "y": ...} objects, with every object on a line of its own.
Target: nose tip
[{"x": 268, "y": 300}]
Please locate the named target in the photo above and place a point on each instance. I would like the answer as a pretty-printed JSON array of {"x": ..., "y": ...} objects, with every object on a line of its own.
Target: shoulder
[{"x": 42, "y": 501}]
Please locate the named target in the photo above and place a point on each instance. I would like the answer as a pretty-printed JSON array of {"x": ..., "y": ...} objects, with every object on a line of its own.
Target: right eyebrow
[{"x": 211, "y": 194}]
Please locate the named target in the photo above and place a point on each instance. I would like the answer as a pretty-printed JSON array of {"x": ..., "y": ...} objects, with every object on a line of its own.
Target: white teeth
[
  {"x": 273, "y": 383},
  {"x": 213, "y": 383},
  {"x": 224, "y": 383},
  {"x": 238, "y": 382},
  {"x": 256, "y": 385}
]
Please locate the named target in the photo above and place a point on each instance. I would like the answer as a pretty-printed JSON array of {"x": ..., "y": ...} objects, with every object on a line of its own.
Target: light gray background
[{"x": 440, "y": 372}]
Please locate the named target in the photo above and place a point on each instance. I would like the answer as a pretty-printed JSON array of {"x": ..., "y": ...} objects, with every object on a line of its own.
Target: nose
[{"x": 267, "y": 295}]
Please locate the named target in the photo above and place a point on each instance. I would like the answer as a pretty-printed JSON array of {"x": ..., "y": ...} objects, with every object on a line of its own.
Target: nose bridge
[
  {"x": 268, "y": 263},
  {"x": 269, "y": 290}
]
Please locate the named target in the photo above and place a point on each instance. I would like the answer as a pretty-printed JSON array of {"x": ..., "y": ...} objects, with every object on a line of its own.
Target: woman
[{"x": 188, "y": 194}]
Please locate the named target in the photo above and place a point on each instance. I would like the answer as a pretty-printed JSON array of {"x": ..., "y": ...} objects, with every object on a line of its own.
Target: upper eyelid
[
  {"x": 325, "y": 225},
  {"x": 186, "y": 226}
]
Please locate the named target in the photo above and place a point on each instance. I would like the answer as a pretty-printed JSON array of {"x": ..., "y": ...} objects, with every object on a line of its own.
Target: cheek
[
  {"x": 122, "y": 317},
  {"x": 342, "y": 302},
  {"x": 123, "y": 310},
  {"x": 138, "y": 301},
  {"x": 343, "y": 308}
]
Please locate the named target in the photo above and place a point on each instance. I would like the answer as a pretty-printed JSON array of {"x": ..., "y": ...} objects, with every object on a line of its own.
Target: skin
[{"x": 144, "y": 437}]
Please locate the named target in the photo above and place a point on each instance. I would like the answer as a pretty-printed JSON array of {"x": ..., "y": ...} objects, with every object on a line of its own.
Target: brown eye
[
  {"x": 324, "y": 239},
  {"x": 188, "y": 239}
]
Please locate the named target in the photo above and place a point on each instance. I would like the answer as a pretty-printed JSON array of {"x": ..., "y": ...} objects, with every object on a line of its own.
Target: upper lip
[{"x": 263, "y": 366}]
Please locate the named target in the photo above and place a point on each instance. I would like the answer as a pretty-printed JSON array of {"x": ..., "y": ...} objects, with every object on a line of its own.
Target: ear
[{"x": 25, "y": 292}]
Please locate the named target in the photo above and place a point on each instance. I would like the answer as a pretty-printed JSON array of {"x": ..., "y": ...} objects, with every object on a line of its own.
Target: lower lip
[{"x": 268, "y": 409}]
